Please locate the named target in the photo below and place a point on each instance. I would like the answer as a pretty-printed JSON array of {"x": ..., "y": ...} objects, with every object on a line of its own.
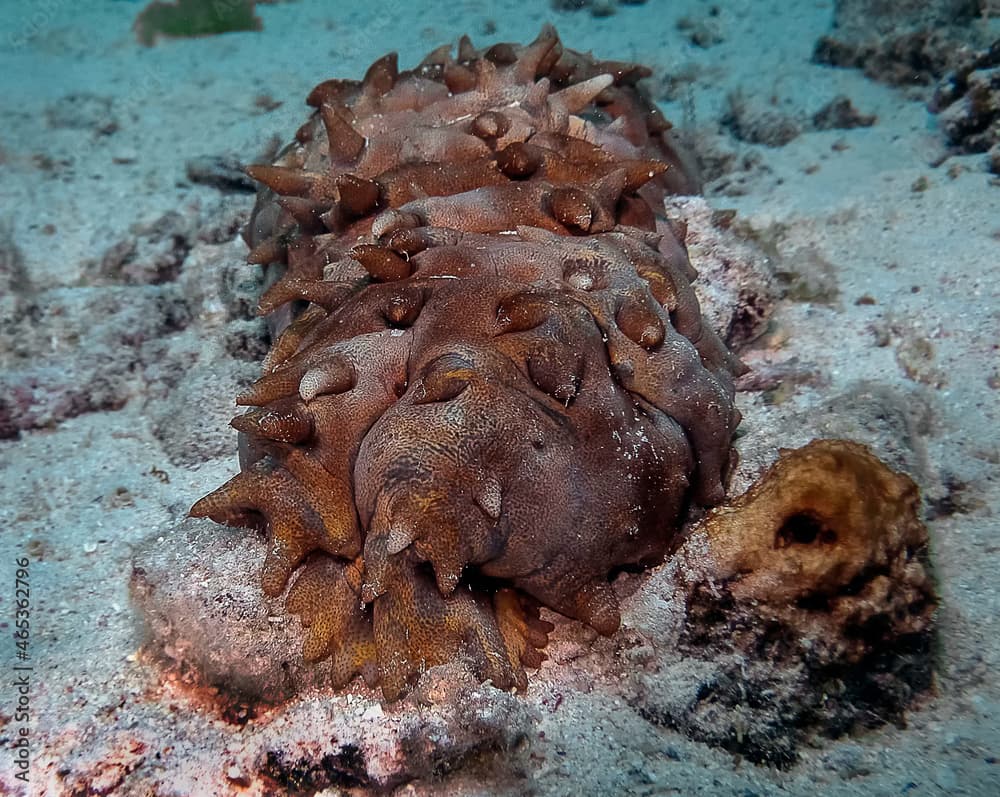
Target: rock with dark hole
[{"x": 809, "y": 608}]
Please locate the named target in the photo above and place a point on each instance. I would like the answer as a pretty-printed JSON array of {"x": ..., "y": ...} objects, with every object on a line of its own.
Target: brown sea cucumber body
[{"x": 492, "y": 386}]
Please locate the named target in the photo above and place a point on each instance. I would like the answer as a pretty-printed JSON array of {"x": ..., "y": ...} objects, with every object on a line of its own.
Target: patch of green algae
[{"x": 186, "y": 18}]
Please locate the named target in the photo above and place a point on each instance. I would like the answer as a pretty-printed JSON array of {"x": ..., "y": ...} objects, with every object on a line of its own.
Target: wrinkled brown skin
[{"x": 500, "y": 389}]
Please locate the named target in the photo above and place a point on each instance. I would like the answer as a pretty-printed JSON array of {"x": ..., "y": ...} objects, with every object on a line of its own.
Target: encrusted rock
[{"x": 808, "y": 608}]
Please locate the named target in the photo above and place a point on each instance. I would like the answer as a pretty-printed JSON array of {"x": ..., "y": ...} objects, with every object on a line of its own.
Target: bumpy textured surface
[{"x": 492, "y": 385}]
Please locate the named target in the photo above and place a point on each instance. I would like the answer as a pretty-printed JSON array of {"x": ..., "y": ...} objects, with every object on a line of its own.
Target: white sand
[{"x": 79, "y": 495}]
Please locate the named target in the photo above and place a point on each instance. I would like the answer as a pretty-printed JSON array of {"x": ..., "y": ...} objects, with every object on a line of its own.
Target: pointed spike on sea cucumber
[
  {"x": 291, "y": 424},
  {"x": 328, "y": 608},
  {"x": 488, "y": 494},
  {"x": 306, "y": 213},
  {"x": 640, "y": 172},
  {"x": 305, "y": 595},
  {"x": 410, "y": 241},
  {"x": 354, "y": 574},
  {"x": 619, "y": 127},
  {"x": 572, "y": 207},
  {"x": 487, "y": 79},
  {"x": 319, "y": 637},
  {"x": 521, "y": 312},
  {"x": 459, "y": 78},
  {"x": 578, "y": 96},
  {"x": 382, "y": 263},
  {"x": 608, "y": 189},
  {"x": 269, "y": 491},
  {"x": 640, "y": 323},
  {"x": 660, "y": 285},
  {"x": 336, "y": 375},
  {"x": 448, "y": 568},
  {"x": 490, "y": 125},
  {"x": 327, "y": 605},
  {"x": 371, "y": 577},
  {"x": 280, "y": 383},
  {"x": 331, "y": 498},
  {"x": 345, "y": 142},
  {"x": 548, "y": 63},
  {"x": 327, "y": 294},
  {"x": 291, "y": 338},
  {"x": 519, "y": 159},
  {"x": 537, "y": 98},
  {"x": 305, "y": 132},
  {"x": 357, "y": 195},
  {"x": 282, "y": 180},
  {"x": 296, "y": 530},
  {"x": 501, "y": 54},
  {"x": 280, "y": 561},
  {"x": 228, "y": 504},
  {"x": 546, "y": 33},
  {"x": 272, "y": 250},
  {"x": 381, "y": 75},
  {"x": 402, "y": 309},
  {"x": 376, "y": 559},
  {"x": 538, "y": 57},
  {"x": 331, "y": 91},
  {"x": 558, "y": 372},
  {"x": 443, "y": 380},
  {"x": 335, "y": 220},
  {"x": 537, "y": 631},
  {"x": 625, "y": 73},
  {"x": 389, "y": 221},
  {"x": 597, "y": 606},
  {"x": 401, "y": 534},
  {"x": 466, "y": 50},
  {"x": 439, "y": 56}
]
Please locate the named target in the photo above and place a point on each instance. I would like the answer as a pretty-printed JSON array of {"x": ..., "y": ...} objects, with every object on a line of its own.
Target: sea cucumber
[{"x": 491, "y": 386}]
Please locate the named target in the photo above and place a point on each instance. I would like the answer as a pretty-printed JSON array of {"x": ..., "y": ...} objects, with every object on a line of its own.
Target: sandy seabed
[{"x": 126, "y": 331}]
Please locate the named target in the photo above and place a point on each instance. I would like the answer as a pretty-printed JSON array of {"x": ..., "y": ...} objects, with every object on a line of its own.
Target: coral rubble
[{"x": 968, "y": 104}]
